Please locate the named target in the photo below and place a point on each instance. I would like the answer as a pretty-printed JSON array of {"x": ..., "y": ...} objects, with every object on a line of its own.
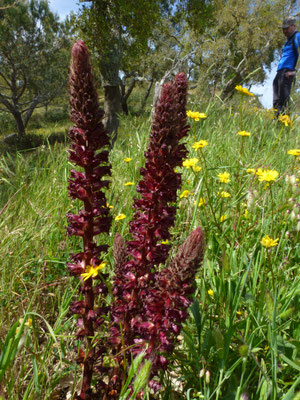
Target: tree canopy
[
  {"x": 122, "y": 33},
  {"x": 241, "y": 42},
  {"x": 33, "y": 58}
]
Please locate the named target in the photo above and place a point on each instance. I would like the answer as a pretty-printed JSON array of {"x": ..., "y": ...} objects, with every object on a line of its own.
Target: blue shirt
[{"x": 288, "y": 56}]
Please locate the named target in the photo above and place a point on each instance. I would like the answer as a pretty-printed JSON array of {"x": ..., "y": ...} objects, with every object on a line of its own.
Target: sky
[
  {"x": 266, "y": 90},
  {"x": 64, "y": 7}
]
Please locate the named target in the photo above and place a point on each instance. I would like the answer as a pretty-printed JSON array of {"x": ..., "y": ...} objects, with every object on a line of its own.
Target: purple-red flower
[
  {"x": 87, "y": 150},
  {"x": 149, "y": 304},
  {"x": 149, "y": 312}
]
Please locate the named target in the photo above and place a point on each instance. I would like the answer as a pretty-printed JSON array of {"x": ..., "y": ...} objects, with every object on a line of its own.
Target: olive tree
[{"x": 33, "y": 58}]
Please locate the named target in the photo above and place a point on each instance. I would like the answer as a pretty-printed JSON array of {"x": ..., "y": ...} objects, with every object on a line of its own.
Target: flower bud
[
  {"x": 207, "y": 377},
  {"x": 244, "y": 396},
  {"x": 250, "y": 199}
]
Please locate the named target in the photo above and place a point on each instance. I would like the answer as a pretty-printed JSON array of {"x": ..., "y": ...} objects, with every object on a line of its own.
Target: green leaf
[
  {"x": 195, "y": 309},
  {"x": 290, "y": 362},
  {"x": 269, "y": 306}
]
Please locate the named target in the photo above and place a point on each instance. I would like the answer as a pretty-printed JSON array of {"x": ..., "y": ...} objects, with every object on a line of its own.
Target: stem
[
  {"x": 210, "y": 202},
  {"x": 241, "y": 113},
  {"x": 272, "y": 207},
  {"x": 208, "y": 193},
  {"x": 272, "y": 148},
  {"x": 272, "y": 272}
]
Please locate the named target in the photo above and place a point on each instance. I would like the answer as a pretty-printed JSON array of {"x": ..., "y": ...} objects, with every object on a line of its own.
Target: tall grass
[{"x": 243, "y": 335}]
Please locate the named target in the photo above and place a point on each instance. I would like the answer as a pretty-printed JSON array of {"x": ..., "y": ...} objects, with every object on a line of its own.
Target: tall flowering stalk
[
  {"x": 150, "y": 303},
  {"x": 148, "y": 313},
  {"x": 88, "y": 138}
]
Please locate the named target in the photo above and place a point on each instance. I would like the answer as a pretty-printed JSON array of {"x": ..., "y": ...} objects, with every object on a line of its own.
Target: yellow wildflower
[
  {"x": 200, "y": 144},
  {"x": 27, "y": 323},
  {"x": 119, "y": 217},
  {"x": 165, "y": 242},
  {"x": 242, "y": 90},
  {"x": 210, "y": 292},
  {"x": 185, "y": 193},
  {"x": 285, "y": 119},
  {"x": 127, "y": 159},
  {"x": 128, "y": 183},
  {"x": 223, "y": 217},
  {"x": 197, "y": 168},
  {"x": 267, "y": 175},
  {"x": 201, "y": 202},
  {"x": 224, "y": 195},
  {"x": 190, "y": 162},
  {"x": 224, "y": 177},
  {"x": 254, "y": 171},
  {"x": 268, "y": 242},
  {"x": 294, "y": 152},
  {"x": 246, "y": 214},
  {"x": 196, "y": 115},
  {"x": 244, "y": 133},
  {"x": 92, "y": 272}
]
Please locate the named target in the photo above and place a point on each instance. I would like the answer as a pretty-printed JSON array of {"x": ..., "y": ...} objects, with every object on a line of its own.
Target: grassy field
[{"x": 242, "y": 339}]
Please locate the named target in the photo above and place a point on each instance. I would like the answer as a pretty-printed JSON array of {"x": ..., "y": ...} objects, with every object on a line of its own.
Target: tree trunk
[
  {"x": 30, "y": 110},
  {"x": 229, "y": 89},
  {"x": 16, "y": 113},
  {"x": 112, "y": 107},
  {"x": 123, "y": 100},
  {"x": 109, "y": 68},
  {"x": 157, "y": 91},
  {"x": 20, "y": 124},
  {"x": 125, "y": 95},
  {"x": 143, "y": 105}
]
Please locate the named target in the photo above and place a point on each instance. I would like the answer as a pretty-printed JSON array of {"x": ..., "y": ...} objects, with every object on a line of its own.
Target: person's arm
[{"x": 297, "y": 43}]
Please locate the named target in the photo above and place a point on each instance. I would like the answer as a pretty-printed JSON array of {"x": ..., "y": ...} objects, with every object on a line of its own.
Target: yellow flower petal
[
  {"x": 201, "y": 202},
  {"x": 244, "y": 133},
  {"x": 196, "y": 115},
  {"x": 190, "y": 162},
  {"x": 184, "y": 194},
  {"x": 285, "y": 119},
  {"x": 268, "y": 242},
  {"x": 267, "y": 175},
  {"x": 120, "y": 217},
  {"x": 223, "y": 217},
  {"x": 224, "y": 195},
  {"x": 294, "y": 152},
  {"x": 91, "y": 271},
  {"x": 242, "y": 90},
  {"x": 197, "y": 168},
  {"x": 200, "y": 144},
  {"x": 224, "y": 177}
]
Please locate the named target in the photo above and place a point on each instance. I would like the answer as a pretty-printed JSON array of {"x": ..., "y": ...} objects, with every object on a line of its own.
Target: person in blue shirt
[{"x": 286, "y": 70}]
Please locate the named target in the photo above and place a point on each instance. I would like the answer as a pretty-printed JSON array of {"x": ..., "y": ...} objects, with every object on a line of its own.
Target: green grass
[{"x": 243, "y": 334}]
